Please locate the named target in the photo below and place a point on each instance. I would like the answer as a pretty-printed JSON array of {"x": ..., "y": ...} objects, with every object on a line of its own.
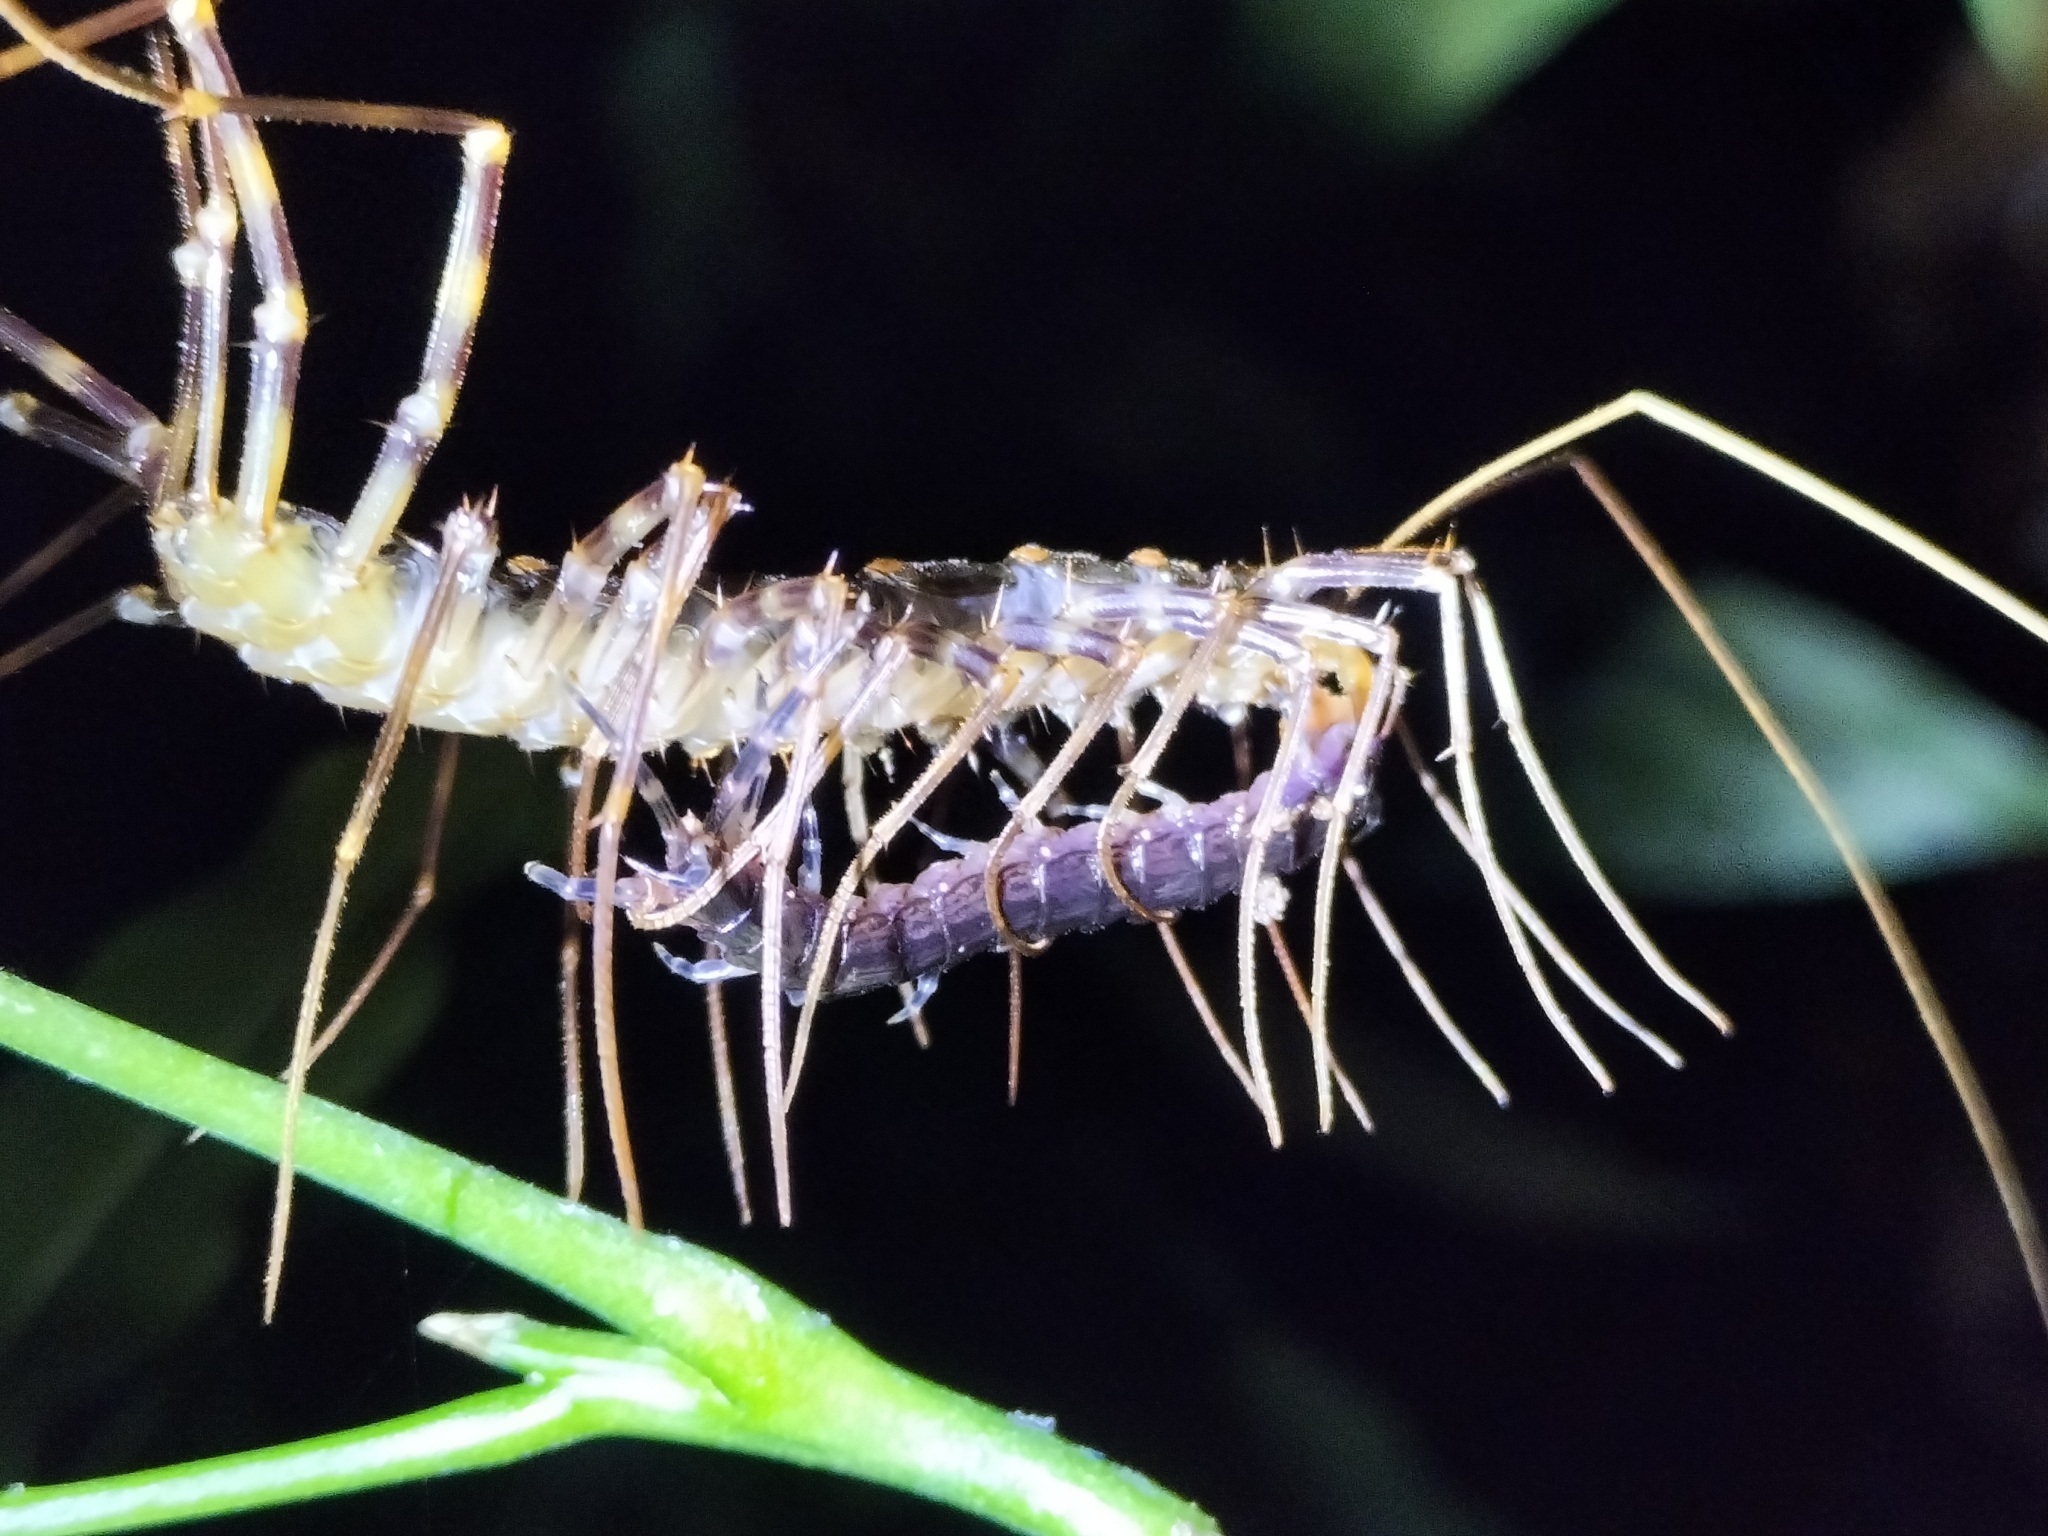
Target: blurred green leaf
[
  {"x": 1683, "y": 801},
  {"x": 1350, "y": 1460},
  {"x": 2015, "y": 35},
  {"x": 1414, "y": 72}
]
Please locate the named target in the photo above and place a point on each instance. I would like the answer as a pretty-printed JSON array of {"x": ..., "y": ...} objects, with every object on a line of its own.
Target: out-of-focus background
[{"x": 938, "y": 279}]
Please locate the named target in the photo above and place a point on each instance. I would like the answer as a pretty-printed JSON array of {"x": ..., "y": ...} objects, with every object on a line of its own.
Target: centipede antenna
[
  {"x": 853, "y": 783},
  {"x": 1353, "y": 1100},
  {"x": 1418, "y": 983},
  {"x": 422, "y": 896},
  {"x": 582, "y": 800},
  {"x": 1545, "y": 936},
  {"x": 467, "y": 532},
  {"x": 1206, "y": 1012},
  {"x": 1016, "y": 1021},
  {"x": 1507, "y": 699},
  {"x": 1458, "y": 695},
  {"x": 728, "y": 1100},
  {"x": 1251, "y": 900}
]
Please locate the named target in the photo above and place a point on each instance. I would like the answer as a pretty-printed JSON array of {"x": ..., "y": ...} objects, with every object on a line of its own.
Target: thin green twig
[{"x": 711, "y": 1354}]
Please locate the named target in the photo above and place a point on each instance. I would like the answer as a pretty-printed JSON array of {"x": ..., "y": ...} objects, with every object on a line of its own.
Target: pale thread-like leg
[
  {"x": 1369, "y": 731},
  {"x": 728, "y": 1100},
  {"x": 1418, "y": 983},
  {"x": 1934, "y": 1017},
  {"x": 421, "y": 898},
  {"x": 1251, "y": 899},
  {"x": 466, "y": 534},
  {"x": 1353, "y": 1099},
  {"x": 781, "y": 843},
  {"x": 114, "y": 21},
  {"x": 692, "y": 525},
  {"x": 1206, "y": 1012},
  {"x": 1532, "y": 920},
  {"x": 1016, "y": 1022},
  {"x": 1501, "y": 682},
  {"x": 1457, "y": 690}
]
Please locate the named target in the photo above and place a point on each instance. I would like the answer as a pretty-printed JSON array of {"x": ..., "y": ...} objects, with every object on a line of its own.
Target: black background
[{"x": 935, "y": 279}]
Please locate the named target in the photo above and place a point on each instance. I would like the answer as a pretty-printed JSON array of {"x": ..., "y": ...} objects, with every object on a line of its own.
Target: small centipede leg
[
  {"x": 1206, "y": 1012},
  {"x": 467, "y": 532},
  {"x": 1304, "y": 1005}
]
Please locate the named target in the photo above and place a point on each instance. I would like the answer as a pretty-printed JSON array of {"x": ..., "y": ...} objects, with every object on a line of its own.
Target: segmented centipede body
[{"x": 622, "y": 651}]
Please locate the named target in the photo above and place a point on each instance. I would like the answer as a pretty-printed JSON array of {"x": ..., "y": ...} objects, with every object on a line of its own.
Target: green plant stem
[{"x": 717, "y": 1355}]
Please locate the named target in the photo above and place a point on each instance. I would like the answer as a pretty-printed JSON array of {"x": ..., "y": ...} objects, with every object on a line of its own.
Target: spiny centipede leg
[
  {"x": 1353, "y": 1099},
  {"x": 1206, "y": 1012}
]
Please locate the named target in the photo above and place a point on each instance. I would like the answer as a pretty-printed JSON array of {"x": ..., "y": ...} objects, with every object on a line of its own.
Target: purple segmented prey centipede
[{"x": 621, "y": 653}]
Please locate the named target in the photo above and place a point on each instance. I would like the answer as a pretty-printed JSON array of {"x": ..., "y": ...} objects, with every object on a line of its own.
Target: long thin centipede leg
[
  {"x": 467, "y": 533},
  {"x": 1305, "y": 1006},
  {"x": 574, "y": 915},
  {"x": 1251, "y": 894},
  {"x": 1458, "y": 695},
  {"x": 728, "y": 1100},
  {"x": 1934, "y": 1017},
  {"x": 82, "y": 34},
  {"x": 1016, "y": 1021},
  {"x": 781, "y": 843},
  {"x": 693, "y": 522},
  {"x": 1206, "y": 1012},
  {"x": 1532, "y": 920},
  {"x": 1418, "y": 983},
  {"x": 62, "y": 633},
  {"x": 1501, "y": 681},
  {"x": 854, "y": 788},
  {"x": 1382, "y": 701},
  {"x": 422, "y": 896}
]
